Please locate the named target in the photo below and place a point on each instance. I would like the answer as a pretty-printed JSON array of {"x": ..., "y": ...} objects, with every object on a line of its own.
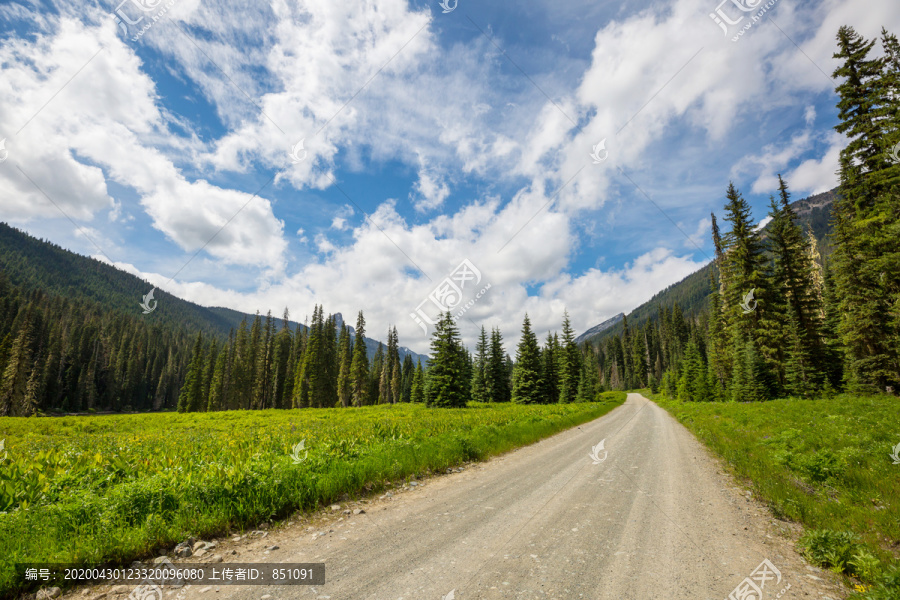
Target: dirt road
[{"x": 654, "y": 519}]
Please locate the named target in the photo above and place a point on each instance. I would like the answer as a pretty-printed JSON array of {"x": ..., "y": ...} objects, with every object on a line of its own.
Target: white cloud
[
  {"x": 105, "y": 125},
  {"x": 773, "y": 159},
  {"x": 809, "y": 115},
  {"x": 697, "y": 239},
  {"x": 429, "y": 192},
  {"x": 814, "y": 176}
]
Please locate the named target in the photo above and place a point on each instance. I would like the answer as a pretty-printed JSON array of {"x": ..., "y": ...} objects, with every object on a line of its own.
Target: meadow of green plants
[
  {"x": 824, "y": 463},
  {"x": 117, "y": 488}
]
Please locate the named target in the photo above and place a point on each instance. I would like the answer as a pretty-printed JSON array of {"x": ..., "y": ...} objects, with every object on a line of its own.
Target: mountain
[
  {"x": 813, "y": 213},
  {"x": 34, "y": 264},
  {"x": 596, "y": 329}
]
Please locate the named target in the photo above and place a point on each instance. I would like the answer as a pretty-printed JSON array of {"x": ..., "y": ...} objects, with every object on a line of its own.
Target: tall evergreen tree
[
  {"x": 569, "y": 363},
  {"x": 417, "y": 393},
  {"x": 378, "y": 370},
  {"x": 281, "y": 361},
  {"x": 639, "y": 360},
  {"x": 866, "y": 271},
  {"x": 396, "y": 383},
  {"x": 189, "y": 399},
  {"x": 496, "y": 374},
  {"x": 527, "y": 386},
  {"x": 407, "y": 373},
  {"x": 797, "y": 300},
  {"x": 744, "y": 271},
  {"x": 479, "y": 368},
  {"x": 359, "y": 368},
  {"x": 345, "y": 387},
  {"x": 217, "y": 386},
  {"x": 387, "y": 369},
  {"x": 445, "y": 386},
  {"x": 589, "y": 385},
  {"x": 550, "y": 369}
]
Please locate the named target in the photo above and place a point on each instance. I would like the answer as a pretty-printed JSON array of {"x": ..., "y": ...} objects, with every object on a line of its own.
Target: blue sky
[{"x": 429, "y": 138}]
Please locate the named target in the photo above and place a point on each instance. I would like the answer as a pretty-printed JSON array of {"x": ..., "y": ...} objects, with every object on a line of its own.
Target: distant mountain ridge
[
  {"x": 597, "y": 329},
  {"x": 813, "y": 213},
  {"x": 31, "y": 263}
]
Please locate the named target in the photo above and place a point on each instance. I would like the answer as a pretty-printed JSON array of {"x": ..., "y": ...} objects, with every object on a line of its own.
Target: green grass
[
  {"x": 97, "y": 489},
  {"x": 614, "y": 396},
  {"x": 823, "y": 463}
]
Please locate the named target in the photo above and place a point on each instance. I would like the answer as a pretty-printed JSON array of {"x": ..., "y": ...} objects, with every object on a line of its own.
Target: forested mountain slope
[
  {"x": 73, "y": 337},
  {"x": 33, "y": 264},
  {"x": 691, "y": 293}
]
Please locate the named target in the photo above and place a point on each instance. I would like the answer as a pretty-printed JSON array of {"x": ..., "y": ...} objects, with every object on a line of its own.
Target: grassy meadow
[
  {"x": 116, "y": 488},
  {"x": 824, "y": 463}
]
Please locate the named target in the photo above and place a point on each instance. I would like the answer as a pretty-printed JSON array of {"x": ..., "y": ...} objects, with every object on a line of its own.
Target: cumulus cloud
[{"x": 104, "y": 125}]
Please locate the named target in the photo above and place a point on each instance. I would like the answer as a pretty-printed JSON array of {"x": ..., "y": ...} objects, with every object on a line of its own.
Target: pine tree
[
  {"x": 394, "y": 351},
  {"x": 834, "y": 349},
  {"x": 378, "y": 369},
  {"x": 264, "y": 359},
  {"x": 480, "y": 366},
  {"x": 865, "y": 270},
  {"x": 751, "y": 379},
  {"x": 550, "y": 370},
  {"x": 241, "y": 376},
  {"x": 407, "y": 373},
  {"x": 217, "y": 386},
  {"x": 387, "y": 367},
  {"x": 19, "y": 367},
  {"x": 189, "y": 399},
  {"x": 309, "y": 384},
  {"x": 797, "y": 301},
  {"x": 527, "y": 386},
  {"x": 744, "y": 271},
  {"x": 295, "y": 359},
  {"x": 418, "y": 385},
  {"x": 445, "y": 386},
  {"x": 281, "y": 361},
  {"x": 639, "y": 360},
  {"x": 626, "y": 356},
  {"x": 255, "y": 361},
  {"x": 589, "y": 385},
  {"x": 569, "y": 363},
  {"x": 858, "y": 105},
  {"x": 719, "y": 368},
  {"x": 396, "y": 383},
  {"x": 692, "y": 385},
  {"x": 344, "y": 384},
  {"x": 330, "y": 364},
  {"x": 496, "y": 374},
  {"x": 359, "y": 368},
  {"x": 209, "y": 367}
]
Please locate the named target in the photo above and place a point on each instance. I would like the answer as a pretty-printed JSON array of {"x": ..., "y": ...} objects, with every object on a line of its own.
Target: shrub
[{"x": 832, "y": 549}]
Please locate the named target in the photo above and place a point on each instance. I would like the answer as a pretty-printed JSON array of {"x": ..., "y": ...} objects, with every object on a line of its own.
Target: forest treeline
[
  {"x": 320, "y": 367},
  {"x": 781, "y": 319},
  {"x": 325, "y": 367},
  {"x": 75, "y": 355}
]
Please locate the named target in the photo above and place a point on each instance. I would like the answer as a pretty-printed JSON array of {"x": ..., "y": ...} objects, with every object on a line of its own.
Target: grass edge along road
[
  {"x": 823, "y": 463},
  {"x": 112, "y": 489}
]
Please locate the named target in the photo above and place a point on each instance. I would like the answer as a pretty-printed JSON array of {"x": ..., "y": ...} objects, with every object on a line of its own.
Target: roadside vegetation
[
  {"x": 824, "y": 463},
  {"x": 89, "y": 490}
]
